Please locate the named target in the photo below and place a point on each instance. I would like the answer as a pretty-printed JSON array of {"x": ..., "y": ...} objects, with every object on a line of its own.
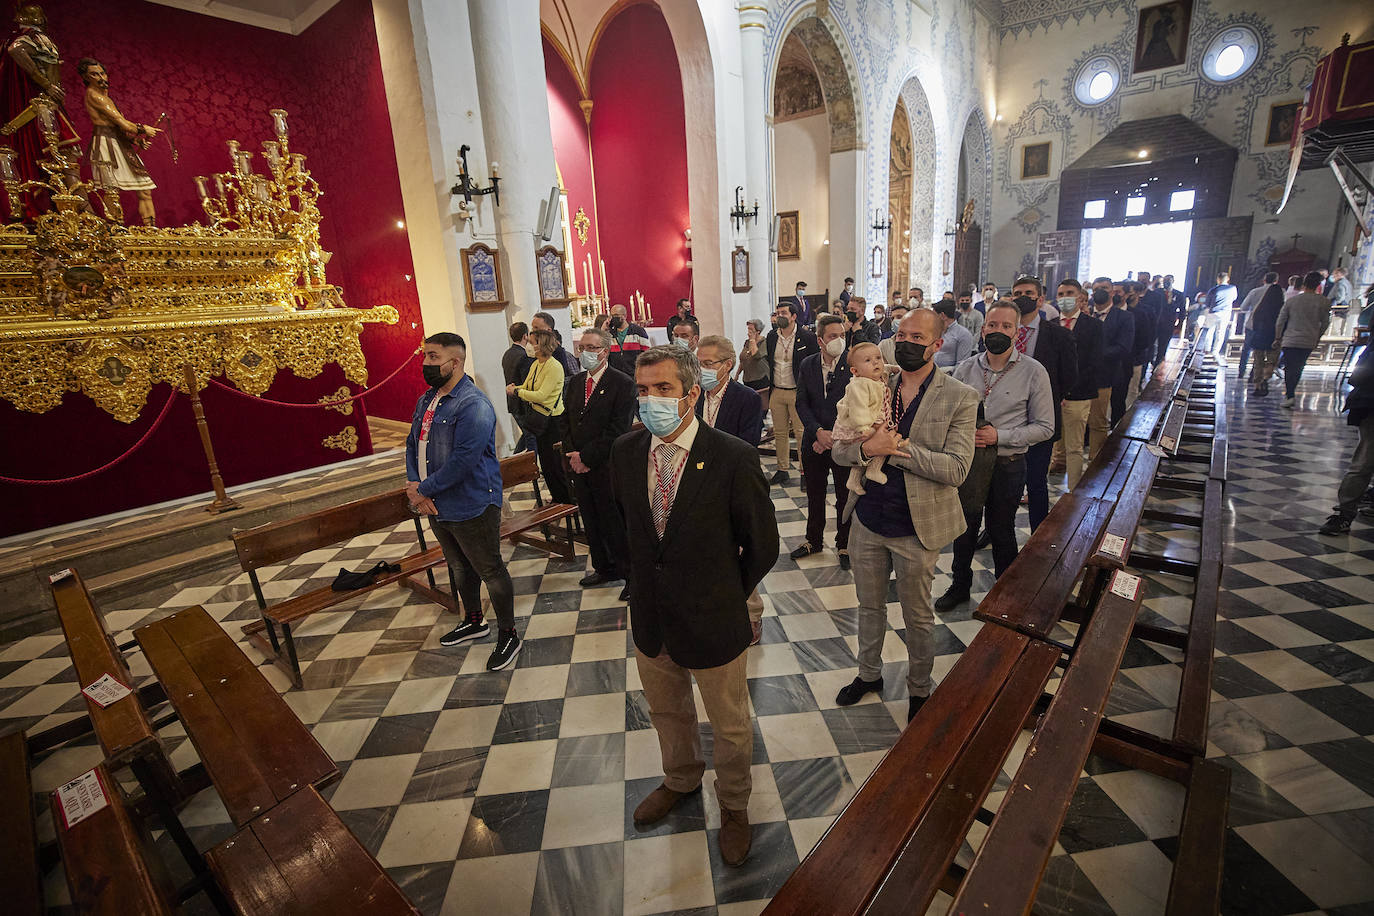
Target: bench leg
[
  {"x": 272, "y": 634},
  {"x": 291, "y": 653},
  {"x": 162, "y": 808}
]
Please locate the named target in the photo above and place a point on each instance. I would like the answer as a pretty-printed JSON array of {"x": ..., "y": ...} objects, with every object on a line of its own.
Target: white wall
[{"x": 801, "y": 157}]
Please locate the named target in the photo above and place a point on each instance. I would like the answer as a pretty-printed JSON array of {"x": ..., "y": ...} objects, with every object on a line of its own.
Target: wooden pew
[
  {"x": 20, "y": 873},
  {"x": 107, "y": 854},
  {"x": 521, "y": 469},
  {"x": 254, "y": 748},
  {"x": 300, "y": 858}
]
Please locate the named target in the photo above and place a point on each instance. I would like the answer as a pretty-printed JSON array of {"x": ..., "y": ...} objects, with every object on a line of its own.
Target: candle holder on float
[{"x": 62, "y": 183}]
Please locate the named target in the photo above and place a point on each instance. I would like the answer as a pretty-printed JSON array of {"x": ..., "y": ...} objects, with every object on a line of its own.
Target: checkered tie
[
  {"x": 665, "y": 463},
  {"x": 1021, "y": 334}
]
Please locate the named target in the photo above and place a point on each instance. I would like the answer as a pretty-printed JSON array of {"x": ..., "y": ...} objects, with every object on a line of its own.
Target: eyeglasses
[{"x": 714, "y": 363}]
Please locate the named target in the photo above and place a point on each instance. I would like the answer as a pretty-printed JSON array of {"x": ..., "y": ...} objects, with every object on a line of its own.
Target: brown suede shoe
[
  {"x": 658, "y": 803},
  {"x": 735, "y": 836}
]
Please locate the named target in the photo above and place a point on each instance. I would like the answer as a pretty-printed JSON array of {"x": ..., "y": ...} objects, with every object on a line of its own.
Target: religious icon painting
[
  {"x": 739, "y": 269},
  {"x": 1162, "y": 35},
  {"x": 1283, "y": 118},
  {"x": 1035, "y": 161},
  {"x": 789, "y": 236},
  {"x": 553, "y": 276},
  {"x": 482, "y": 277}
]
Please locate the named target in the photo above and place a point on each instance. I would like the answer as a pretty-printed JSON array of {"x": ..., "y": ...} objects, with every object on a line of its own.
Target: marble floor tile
[
  {"x": 521, "y": 767},
  {"x": 547, "y": 682},
  {"x": 590, "y": 760},
  {"x": 425, "y": 832},
  {"x": 1133, "y": 878},
  {"x": 492, "y": 884},
  {"x": 374, "y": 782},
  {"x": 441, "y": 775},
  {"x": 470, "y": 727},
  {"x": 586, "y": 880},
  {"x": 667, "y": 873},
  {"x": 1285, "y": 670},
  {"x": 585, "y": 815},
  {"x": 343, "y": 738},
  {"x": 592, "y": 715},
  {"x": 798, "y": 736},
  {"x": 419, "y": 695},
  {"x": 1321, "y": 866},
  {"x": 503, "y": 824},
  {"x": 1298, "y": 777},
  {"x": 1152, "y": 802},
  {"x": 1289, "y": 716}
]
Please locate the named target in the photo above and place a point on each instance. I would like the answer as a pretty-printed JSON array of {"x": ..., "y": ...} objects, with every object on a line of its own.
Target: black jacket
[
  {"x": 593, "y": 426},
  {"x": 1056, "y": 350},
  {"x": 804, "y": 346},
  {"x": 688, "y": 590},
  {"x": 817, "y": 405},
  {"x": 1266, "y": 314},
  {"x": 1145, "y": 317},
  {"x": 869, "y": 333},
  {"x": 1118, "y": 342},
  {"x": 741, "y": 412},
  {"x": 1360, "y": 402},
  {"x": 1087, "y": 339}
]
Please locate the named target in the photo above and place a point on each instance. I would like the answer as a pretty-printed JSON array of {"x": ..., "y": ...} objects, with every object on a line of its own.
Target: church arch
[{"x": 911, "y": 237}]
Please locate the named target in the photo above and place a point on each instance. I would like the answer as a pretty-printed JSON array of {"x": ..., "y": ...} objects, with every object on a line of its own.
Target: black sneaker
[
  {"x": 844, "y": 559},
  {"x": 778, "y": 479},
  {"x": 854, "y": 691},
  {"x": 951, "y": 599},
  {"x": 913, "y": 706},
  {"x": 466, "y": 631},
  {"x": 1337, "y": 524},
  {"x": 805, "y": 550},
  {"x": 506, "y": 651}
]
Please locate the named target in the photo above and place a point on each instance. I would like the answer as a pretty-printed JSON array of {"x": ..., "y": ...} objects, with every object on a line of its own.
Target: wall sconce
[
  {"x": 469, "y": 189},
  {"x": 949, "y": 228},
  {"x": 880, "y": 221},
  {"x": 740, "y": 214},
  {"x": 687, "y": 243}
]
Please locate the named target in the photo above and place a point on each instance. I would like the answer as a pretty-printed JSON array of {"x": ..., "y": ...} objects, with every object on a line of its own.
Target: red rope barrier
[
  {"x": 361, "y": 394},
  {"x": 166, "y": 408}
]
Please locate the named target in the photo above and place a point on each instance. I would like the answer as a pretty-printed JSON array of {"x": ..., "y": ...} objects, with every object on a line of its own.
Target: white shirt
[
  {"x": 782, "y": 360},
  {"x": 1032, "y": 334},
  {"x": 684, "y": 444},
  {"x": 596, "y": 376},
  {"x": 713, "y": 402}
]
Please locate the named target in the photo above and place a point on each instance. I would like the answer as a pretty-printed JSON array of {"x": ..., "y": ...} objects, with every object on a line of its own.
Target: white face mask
[
  {"x": 1067, "y": 304},
  {"x": 835, "y": 347},
  {"x": 531, "y": 350}
]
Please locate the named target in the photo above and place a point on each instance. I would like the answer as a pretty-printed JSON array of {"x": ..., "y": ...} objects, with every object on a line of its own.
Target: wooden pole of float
[{"x": 222, "y": 501}]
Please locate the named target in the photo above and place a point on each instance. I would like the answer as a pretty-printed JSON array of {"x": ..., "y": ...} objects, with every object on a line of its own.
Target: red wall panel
[
  {"x": 218, "y": 79},
  {"x": 571, "y": 151},
  {"x": 639, "y": 144}
]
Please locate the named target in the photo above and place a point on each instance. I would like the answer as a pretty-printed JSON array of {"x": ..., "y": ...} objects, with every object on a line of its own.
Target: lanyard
[{"x": 428, "y": 419}]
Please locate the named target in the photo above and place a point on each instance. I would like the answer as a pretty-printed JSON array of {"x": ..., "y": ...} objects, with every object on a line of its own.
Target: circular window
[
  {"x": 1096, "y": 81},
  {"x": 1231, "y": 54}
]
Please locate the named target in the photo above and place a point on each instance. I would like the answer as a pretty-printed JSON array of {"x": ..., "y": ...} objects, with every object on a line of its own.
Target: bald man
[{"x": 905, "y": 522}]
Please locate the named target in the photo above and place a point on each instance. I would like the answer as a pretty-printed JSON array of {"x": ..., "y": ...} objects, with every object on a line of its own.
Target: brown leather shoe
[
  {"x": 658, "y": 803},
  {"x": 735, "y": 836}
]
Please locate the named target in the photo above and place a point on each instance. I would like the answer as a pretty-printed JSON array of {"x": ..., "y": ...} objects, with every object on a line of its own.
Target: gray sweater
[
  {"x": 1302, "y": 321},
  {"x": 1020, "y": 405}
]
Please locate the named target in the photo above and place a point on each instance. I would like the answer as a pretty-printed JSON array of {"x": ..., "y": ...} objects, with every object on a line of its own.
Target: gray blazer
[
  {"x": 936, "y": 462},
  {"x": 1302, "y": 321}
]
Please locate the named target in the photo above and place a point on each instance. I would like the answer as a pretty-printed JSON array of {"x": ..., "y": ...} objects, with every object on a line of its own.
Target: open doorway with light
[{"x": 1122, "y": 251}]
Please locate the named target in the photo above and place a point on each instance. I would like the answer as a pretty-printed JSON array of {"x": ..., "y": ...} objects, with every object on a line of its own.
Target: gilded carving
[
  {"x": 345, "y": 440},
  {"x": 345, "y": 408}
]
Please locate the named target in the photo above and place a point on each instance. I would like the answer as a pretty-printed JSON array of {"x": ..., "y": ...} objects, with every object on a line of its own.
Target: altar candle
[{"x": 605, "y": 290}]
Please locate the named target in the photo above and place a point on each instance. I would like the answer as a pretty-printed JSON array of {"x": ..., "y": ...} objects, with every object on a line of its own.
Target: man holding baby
[{"x": 904, "y": 520}]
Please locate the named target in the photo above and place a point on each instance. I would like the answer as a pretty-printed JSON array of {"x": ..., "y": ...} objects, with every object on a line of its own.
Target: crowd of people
[{"x": 929, "y": 424}]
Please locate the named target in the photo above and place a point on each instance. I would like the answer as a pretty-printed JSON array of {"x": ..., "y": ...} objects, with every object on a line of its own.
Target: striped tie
[
  {"x": 665, "y": 463},
  {"x": 1021, "y": 335}
]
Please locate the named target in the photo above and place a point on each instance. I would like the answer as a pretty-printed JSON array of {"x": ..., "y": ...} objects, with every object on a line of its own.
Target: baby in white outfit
[{"x": 865, "y": 408}]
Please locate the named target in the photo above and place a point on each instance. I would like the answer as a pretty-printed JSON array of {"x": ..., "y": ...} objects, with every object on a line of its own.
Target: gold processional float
[{"x": 97, "y": 308}]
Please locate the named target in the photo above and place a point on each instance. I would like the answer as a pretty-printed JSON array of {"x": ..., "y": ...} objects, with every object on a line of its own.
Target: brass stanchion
[{"x": 222, "y": 502}]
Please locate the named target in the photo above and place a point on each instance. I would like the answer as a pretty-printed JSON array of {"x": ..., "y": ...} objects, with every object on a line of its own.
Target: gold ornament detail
[
  {"x": 345, "y": 408},
  {"x": 92, "y": 307},
  {"x": 345, "y": 440},
  {"x": 582, "y": 225}
]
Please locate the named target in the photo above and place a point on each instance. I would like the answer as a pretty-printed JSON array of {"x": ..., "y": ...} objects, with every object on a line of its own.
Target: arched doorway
[
  {"x": 815, "y": 159},
  {"x": 911, "y": 193},
  {"x": 973, "y": 204}
]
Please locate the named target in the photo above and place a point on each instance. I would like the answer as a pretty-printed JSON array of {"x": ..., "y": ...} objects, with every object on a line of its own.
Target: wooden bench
[
  {"x": 521, "y": 469},
  {"x": 278, "y": 542},
  {"x": 300, "y": 858},
  {"x": 253, "y": 747},
  {"x": 107, "y": 854},
  {"x": 20, "y": 873}
]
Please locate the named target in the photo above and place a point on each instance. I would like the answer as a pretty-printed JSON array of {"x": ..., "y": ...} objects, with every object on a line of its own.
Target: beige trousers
[
  {"x": 725, "y": 694},
  {"x": 1266, "y": 361},
  {"x": 783, "y": 403},
  {"x": 755, "y": 605},
  {"x": 1075, "y": 422},
  {"x": 1099, "y": 421}
]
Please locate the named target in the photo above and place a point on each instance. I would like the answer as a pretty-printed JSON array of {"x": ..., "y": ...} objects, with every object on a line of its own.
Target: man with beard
[{"x": 115, "y": 139}]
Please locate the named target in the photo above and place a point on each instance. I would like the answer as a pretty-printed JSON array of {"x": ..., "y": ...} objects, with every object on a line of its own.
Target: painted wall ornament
[{"x": 582, "y": 225}]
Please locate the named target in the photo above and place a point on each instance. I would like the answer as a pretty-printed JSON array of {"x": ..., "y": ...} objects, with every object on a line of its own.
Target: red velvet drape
[
  {"x": 218, "y": 79},
  {"x": 572, "y": 152}
]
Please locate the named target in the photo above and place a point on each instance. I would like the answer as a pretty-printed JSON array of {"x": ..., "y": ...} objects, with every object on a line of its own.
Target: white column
[
  {"x": 752, "y": 17},
  {"x": 846, "y": 229},
  {"x": 515, "y": 120}
]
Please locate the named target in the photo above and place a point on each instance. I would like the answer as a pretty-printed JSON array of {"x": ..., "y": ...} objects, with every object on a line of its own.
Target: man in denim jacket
[{"x": 457, "y": 483}]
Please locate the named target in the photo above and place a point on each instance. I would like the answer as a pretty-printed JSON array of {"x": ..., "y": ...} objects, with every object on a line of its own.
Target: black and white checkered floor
[{"x": 512, "y": 792}]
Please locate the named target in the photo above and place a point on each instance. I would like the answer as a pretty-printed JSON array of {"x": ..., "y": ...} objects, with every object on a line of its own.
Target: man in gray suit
[{"x": 907, "y": 520}]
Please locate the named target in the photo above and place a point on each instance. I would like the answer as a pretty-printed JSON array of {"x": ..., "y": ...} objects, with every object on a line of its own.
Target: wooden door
[
  {"x": 1056, "y": 257},
  {"x": 1220, "y": 244},
  {"x": 968, "y": 247}
]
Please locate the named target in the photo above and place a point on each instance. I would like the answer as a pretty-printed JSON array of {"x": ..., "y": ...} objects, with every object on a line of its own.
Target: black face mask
[
  {"x": 1026, "y": 304},
  {"x": 435, "y": 377},
  {"x": 852, "y": 316},
  {"x": 1116, "y": 298},
  {"x": 1101, "y": 297},
  {"x": 997, "y": 343},
  {"x": 911, "y": 356},
  {"x": 616, "y": 323}
]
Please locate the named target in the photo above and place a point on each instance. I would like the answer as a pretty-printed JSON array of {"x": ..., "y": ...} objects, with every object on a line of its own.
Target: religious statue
[
  {"x": 30, "y": 67},
  {"x": 115, "y": 138}
]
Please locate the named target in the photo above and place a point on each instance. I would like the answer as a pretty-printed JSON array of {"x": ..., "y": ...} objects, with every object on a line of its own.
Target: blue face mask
[
  {"x": 681, "y": 342},
  {"x": 709, "y": 378},
  {"x": 659, "y": 415},
  {"x": 589, "y": 360}
]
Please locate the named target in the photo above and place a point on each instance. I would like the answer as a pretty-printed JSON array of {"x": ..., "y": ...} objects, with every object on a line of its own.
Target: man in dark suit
[
  {"x": 1118, "y": 337},
  {"x": 787, "y": 346},
  {"x": 702, "y": 535},
  {"x": 821, "y": 383},
  {"x": 1078, "y": 398},
  {"x": 804, "y": 316},
  {"x": 857, "y": 329},
  {"x": 1171, "y": 310},
  {"x": 543, "y": 321},
  {"x": 600, "y": 402},
  {"x": 1052, "y": 347}
]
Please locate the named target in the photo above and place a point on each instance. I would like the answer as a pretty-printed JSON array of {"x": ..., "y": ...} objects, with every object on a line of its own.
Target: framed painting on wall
[
  {"x": 553, "y": 276},
  {"x": 1161, "y": 35},
  {"x": 482, "y": 278},
  {"x": 739, "y": 269},
  {"x": 1283, "y": 118},
  {"x": 789, "y": 236},
  {"x": 1035, "y": 160}
]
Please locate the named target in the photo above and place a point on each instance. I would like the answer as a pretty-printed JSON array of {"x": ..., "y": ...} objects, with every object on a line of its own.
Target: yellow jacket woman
[{"x": 543, "y": 386}]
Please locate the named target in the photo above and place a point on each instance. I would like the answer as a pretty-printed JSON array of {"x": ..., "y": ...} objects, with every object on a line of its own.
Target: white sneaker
[{"x": 1288, "y": 403}]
